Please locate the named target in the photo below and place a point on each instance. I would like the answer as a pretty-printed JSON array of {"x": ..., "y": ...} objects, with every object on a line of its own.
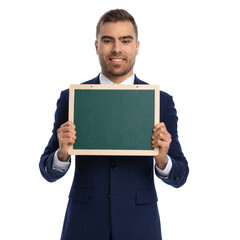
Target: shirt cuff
[
  {"x": 166, "y": 171},
  {"x": 59, "y": 165}
]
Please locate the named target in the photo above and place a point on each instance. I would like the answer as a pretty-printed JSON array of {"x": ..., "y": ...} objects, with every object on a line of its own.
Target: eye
[
  {"x": 126, "y": 41},
  {"x": 107, "y": 41}
]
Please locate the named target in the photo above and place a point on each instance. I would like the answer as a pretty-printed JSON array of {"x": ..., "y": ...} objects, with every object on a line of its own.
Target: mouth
[{"x": 117, "y": 60}]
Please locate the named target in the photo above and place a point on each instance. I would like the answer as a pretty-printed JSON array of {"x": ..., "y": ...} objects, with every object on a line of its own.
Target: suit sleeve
[
  {"x": 180, "y": 170},
  {"x": 46, "y": 160}
]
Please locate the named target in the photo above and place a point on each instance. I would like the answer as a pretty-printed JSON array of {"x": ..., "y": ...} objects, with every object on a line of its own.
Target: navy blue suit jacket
[{"x": 114, "y": 195}]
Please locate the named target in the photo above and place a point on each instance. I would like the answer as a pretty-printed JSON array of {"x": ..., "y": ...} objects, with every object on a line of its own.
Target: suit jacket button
[
  {"x": 176, "y": 178},
  {"x": 114, "y": 166}
]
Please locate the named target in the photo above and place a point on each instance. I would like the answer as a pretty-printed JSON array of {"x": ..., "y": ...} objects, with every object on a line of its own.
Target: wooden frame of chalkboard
[{"x": 114, "y": 119}]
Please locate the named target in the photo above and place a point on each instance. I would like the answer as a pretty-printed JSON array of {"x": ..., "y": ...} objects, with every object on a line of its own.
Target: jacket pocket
[
  {"x": 146, "y": 196},
  {"x": 79, "y": 194}
]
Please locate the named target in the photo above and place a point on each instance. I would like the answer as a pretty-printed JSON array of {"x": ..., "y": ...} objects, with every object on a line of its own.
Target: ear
[
  {"x": 137, "y": 47},
  {"x": 96, "y": 46}
]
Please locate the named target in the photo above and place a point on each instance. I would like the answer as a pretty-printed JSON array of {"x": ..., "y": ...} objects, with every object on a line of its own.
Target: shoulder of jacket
[
  {"x": 92, "y": 81},
  {"x": 64, "y": 93},
  {"x": 165, "y": 95}
]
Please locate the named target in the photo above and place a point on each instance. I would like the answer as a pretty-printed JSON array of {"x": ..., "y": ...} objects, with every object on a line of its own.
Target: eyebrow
[{"x": 123, "y": 37}]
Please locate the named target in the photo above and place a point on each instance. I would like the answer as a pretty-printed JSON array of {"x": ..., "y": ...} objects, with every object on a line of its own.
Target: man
[{"x": 114, "y": 197}]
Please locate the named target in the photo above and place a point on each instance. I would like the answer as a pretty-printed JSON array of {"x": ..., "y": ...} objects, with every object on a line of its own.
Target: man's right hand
[{"x": 66, "y": 136}]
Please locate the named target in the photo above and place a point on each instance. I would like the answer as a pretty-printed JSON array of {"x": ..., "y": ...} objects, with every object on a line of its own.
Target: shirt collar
[{"x": 105, "y": 80}]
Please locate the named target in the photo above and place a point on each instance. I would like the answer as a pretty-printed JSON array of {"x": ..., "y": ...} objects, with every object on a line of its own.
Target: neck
[{"x": 118, "y": 79}]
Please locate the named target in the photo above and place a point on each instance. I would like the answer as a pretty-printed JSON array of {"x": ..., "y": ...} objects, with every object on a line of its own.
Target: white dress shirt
[{"x": 63, "y": 166}]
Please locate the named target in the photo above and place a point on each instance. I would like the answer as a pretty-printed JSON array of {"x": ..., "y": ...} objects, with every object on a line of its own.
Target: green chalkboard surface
[{"x": 114, "y": 119}]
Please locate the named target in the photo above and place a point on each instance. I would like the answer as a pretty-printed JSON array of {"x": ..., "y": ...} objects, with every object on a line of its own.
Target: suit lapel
[
  {"x": 96, "y": 80},
  {"x": 138, "y": 81}
]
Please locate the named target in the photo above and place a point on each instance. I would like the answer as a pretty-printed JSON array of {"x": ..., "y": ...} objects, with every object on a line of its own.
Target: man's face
[{"x": 117, "y": 48}]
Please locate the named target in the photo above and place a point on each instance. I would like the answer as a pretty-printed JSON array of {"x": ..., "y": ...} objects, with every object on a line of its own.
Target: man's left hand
[{"x": 162, "y": 139}]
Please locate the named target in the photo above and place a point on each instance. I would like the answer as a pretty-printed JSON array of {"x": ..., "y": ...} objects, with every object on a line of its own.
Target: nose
[{"x": 117, "y": 47}]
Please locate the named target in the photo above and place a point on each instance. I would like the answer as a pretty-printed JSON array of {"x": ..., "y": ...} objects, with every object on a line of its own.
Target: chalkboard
[{"x": 114, "y": 119}]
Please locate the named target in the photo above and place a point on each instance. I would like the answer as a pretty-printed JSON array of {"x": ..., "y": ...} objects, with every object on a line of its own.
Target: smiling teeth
[{"x": 117, "y": 60}]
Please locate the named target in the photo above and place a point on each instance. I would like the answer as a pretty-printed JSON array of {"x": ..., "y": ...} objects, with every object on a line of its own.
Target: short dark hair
[{"x": 115, "y": 16}]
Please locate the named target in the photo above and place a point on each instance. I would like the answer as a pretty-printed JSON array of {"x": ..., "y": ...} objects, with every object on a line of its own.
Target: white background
[{"x": 190, "y": 48}]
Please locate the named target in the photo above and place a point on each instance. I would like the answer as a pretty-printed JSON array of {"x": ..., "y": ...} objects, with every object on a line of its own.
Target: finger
[
  {"x": 67, "y": 130},
  {"x": 66, "y": 135},
  {"x": 67, "y": 127},
  {"x": 156, "y": 133},
  {"x": 165, "y": 137},
  {"x": 158, "y": 126},
  {"x": 62, "y": 135},
  {"x": 67, "y": 141},
  {"x": 161, "y": 144},
  {"x": 160, "y": 133},
  {"x": 157, "y": 143},
  {"x": 68, "y": 124}
]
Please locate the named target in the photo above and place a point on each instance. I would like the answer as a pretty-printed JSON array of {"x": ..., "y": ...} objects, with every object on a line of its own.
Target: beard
[{"x": 116, "y": 70}]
